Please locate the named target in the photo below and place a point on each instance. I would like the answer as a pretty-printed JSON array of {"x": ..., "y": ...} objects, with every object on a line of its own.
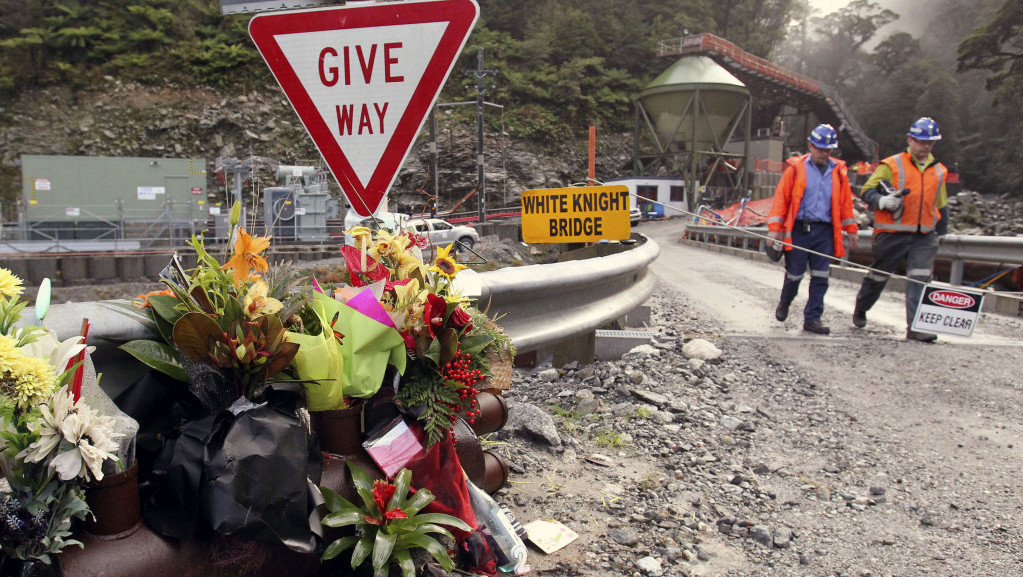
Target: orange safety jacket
[
  {"x": 918, "y": 211},
  {"x": 788, "y": 195}
]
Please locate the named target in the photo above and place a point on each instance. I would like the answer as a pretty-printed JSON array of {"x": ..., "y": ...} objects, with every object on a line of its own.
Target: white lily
[{"x": 48, "y": 346}]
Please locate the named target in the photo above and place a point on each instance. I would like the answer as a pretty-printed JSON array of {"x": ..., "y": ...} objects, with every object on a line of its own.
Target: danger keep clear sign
[
  {"x": 948, "y": 311},
  {"x": 576, "y": 214}
]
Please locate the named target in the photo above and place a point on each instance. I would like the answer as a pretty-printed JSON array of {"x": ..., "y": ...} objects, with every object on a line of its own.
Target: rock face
[{"x": 128, "y": 119}]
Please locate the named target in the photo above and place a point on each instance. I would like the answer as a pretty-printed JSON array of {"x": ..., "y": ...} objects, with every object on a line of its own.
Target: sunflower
[
  {"x": 246, "y": 256},
  {"x": 10, "y": 285},
  {"x": 446, "y": 265}
]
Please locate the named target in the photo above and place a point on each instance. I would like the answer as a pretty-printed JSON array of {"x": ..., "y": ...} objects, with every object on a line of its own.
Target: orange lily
[
  {"x": 246, "y": 256},
  {"x": 142, "y": 301}
]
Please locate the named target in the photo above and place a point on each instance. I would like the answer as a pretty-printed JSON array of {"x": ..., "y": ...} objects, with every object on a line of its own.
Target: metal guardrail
[
  {"x": 548, "y": 303},
  {"x": 537, "y": 305},
  {"x": 953, "y": 247}
]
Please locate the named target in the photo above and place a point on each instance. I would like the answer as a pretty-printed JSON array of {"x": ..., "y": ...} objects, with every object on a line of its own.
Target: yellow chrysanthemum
[
  {"x": 10, "y": 354},
  {"x": 446, "y": 265},
  {"x": 32, "y": 379},
  {"x": 10, "y": 284}
]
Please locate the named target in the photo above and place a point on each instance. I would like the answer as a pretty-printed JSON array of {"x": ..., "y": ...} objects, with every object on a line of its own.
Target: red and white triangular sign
[{"x": 362, "y": 80}]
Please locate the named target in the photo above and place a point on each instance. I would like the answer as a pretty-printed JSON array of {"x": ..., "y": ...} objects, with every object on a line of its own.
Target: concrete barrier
[
  {"x": 19, "y": 267},
  {"x": 154, "y": 263},
  {"x": 73, "y": 270},
  {"x": 101, "y": 268},
  {"x": 131, "y": 267}
]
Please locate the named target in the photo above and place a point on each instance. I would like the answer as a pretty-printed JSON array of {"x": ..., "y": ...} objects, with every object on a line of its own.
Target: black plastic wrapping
[
  {"x": 261, "y": 468},
  {"x": 249, "y": 470}
]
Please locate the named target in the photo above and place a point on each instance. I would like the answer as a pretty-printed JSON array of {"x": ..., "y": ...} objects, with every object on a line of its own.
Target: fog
[{"x": 914, "y": 15}]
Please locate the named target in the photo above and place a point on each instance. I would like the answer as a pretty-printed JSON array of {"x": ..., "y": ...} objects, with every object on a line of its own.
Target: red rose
[
  {"x": 460, "y": 320},
  {"x": 434, "y": 312}
]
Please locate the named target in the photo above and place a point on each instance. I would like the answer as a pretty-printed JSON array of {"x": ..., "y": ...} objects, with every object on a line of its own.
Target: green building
[{"x": 98, "y": 197}]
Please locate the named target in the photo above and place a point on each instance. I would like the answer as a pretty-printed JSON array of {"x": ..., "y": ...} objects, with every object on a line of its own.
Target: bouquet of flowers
[
  {"x": 223, "y": 334},
  {"x": 227, "y": 318},
  {"x": 51, "y": 441},
  {"x": 446, "y": 338}
]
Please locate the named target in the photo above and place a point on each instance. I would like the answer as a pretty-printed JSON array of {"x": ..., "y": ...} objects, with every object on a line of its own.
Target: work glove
[
  {"x": 891, "y": 202},
  {"x": 774, "y": 246}
]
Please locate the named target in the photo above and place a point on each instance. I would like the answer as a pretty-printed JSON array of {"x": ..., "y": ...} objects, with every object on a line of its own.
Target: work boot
[
  {"x": 912, "y": 335},
  {"x": 816, "y": 327},
  {"x": 859, "y": 318},
  {"x": 782, "y": 312}
]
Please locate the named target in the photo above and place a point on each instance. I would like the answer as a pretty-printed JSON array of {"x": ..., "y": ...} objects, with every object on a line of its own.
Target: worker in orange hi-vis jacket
[
  {"x": 813, "y": 210},
  {"x": 910, "y": 202}
]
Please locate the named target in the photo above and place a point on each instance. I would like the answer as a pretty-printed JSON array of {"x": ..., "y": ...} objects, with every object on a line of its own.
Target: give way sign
[{"x": 363, "y": 78}]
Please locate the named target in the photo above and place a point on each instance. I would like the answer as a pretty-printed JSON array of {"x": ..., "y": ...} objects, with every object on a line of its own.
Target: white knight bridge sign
[{"x": 576, "y": 214}]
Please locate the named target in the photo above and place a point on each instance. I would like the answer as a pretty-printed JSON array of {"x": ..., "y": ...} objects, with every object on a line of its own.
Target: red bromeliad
[{"x": 382, "y": 493}]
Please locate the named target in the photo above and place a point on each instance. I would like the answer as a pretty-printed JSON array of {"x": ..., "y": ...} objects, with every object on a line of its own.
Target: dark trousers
[
  {"x": 818, "y": 237},
  {"x": 889, "y": 250}
]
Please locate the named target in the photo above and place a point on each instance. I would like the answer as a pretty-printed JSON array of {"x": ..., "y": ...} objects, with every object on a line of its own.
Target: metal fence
[
  {"x": 955, "y": 248},
  {"x": 110, "y": 228}
]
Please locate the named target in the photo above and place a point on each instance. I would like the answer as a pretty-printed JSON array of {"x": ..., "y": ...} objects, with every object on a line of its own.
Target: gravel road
[{"x": 859, "y": 454}]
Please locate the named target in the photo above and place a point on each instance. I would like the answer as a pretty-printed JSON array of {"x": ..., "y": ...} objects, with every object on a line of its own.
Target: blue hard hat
[
  {"x": 824, "y": 136},
  {"x": 925, "y": 129}
]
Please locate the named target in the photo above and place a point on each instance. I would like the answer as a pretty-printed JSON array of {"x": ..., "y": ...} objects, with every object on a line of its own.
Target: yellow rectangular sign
[{"x": 576, "y": 214}]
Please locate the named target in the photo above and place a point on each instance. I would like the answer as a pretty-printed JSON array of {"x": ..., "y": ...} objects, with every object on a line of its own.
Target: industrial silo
[{"x": 691, "y": 111}]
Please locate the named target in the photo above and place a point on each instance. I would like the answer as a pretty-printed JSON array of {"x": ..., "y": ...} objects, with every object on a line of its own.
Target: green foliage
[
  {"x": 996, "y": 47},
  {"x": 212, "y": 62},
  {"x": 566, "y": 414},
  {"x": 388, "y": 524},
  {"x": 159, "y": 356},
  {"x": 424, "y": 388},
  {"x": 143, "y": 40},
  {"x": 608, "y": 438},
  {"x": 895, "y": 52}
]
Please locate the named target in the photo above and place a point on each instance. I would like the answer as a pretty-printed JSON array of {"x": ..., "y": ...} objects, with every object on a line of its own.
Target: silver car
[{"x": 441, "y": 233}]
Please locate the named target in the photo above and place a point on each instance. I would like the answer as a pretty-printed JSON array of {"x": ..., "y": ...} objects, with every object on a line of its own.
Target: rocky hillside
[{"x": 128, "y": 119}]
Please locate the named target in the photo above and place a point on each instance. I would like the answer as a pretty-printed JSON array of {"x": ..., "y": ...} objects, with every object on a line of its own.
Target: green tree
[
  {"x": 994, "y": 50},
  {"x": 997, "y": 47},
  {"x": 895, "y": 52},
  {"x": 837, "y": 42}
]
